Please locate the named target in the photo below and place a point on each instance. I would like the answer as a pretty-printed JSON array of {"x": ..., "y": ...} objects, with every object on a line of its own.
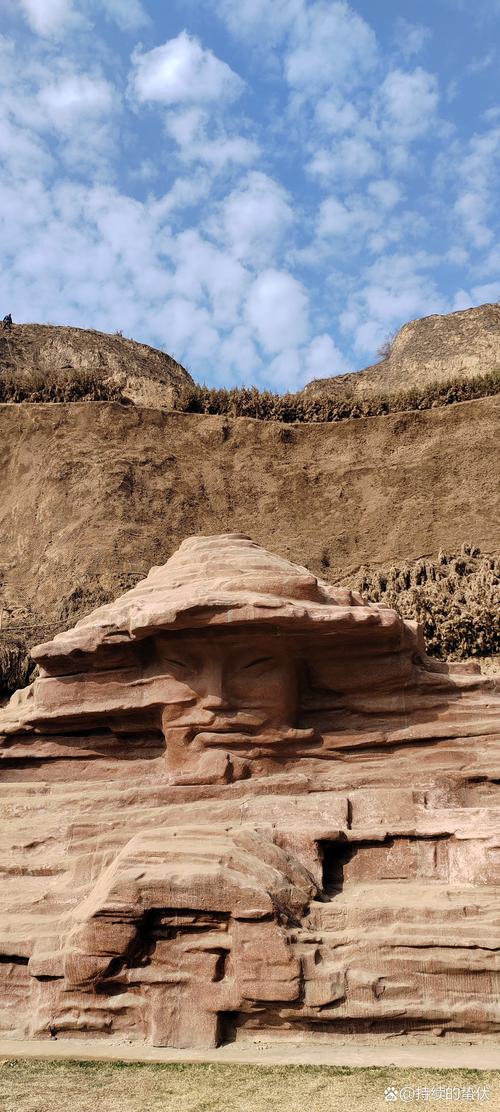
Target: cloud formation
[
  {"x": 266, "y": 190},
  {"x": 181, "y": 71},
  {"x": 48, "y": 17}
]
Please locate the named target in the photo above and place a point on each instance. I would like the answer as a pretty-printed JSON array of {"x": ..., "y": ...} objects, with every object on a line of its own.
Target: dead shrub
[
  {"x": 263, "y": 405},
  {"x": 456, "y": 598},
  {"x": 385, "y": 349},
  {"x": 70, "y": 386},
  {"x": 16, "y": 665}
]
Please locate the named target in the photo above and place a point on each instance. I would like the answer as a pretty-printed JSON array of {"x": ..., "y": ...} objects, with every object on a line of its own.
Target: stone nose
[{"x": 214, "y": 688}]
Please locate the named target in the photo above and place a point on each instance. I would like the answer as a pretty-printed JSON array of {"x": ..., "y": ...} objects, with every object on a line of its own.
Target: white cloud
[
  {"x": 129, "y": 15},
  {"x": 195, "y": 86},
  {"x": 238, "y": 359},
  {"x": 350, "y": 221},
  {"x": 277, "y": 310},
  {"x": 461, "y": 300},
  {"x": 481, "y": 63},
  {"x": 49, "y": 17},
  {"x": 187, "y": 327},
  {"x": 336, "y": 218},
  {"x": 42, "y": 91},
  {"x": 187, "y": 125},
  {"x": 204, "y": 273},
  {"x": 488, "y": 292},
  {"x": 183, "y": 72},
  {"x": 294, "y": 366},
  {"x": 249, "y": 18},
  {"x": 22, "y": 153},
  {"x": 325, "y": 45},
  {"x": 472, "y": 209},
  {"x": 397, "y": 288},
  {"x": 350, "y": 158},
  {"x": 330, "y": 46},
  {"x": 184, "y": 193},
  {"x": 70, "y": 98},
  {"x": 53, "y": 18},
  {"x": 480, "y": 164},
  {"x": 410, "y": 37},
  {"x": 335, "y": 115},
  {"x": 253, "y": 218},
  {"x": 324, "y": 359},
  {"x": 386, "y": 192},
  {"x": 223, "y": 151},
  {"x": 409, "y": 102},
  {"x": 362, "y": 221},
  {"x": 285, "y": 372},
  {"x": 200, "y": 139},
  {"x": 477, "y": 173}
]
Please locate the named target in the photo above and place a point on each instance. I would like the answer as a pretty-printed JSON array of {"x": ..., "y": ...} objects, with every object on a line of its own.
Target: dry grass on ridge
[
  {"x": 91, "y": 385},
  {"x": 59, "y": 1086},
  {"x": 71, "y": 386},
  {"x": 334, "y": 406}
]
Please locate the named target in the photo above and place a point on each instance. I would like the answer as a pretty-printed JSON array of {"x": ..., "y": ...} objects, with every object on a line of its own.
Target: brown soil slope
[
  {"x": 432, "y": 349},
  {"x": 145, "y": 375},
  {"x": 93, "y": 494}
]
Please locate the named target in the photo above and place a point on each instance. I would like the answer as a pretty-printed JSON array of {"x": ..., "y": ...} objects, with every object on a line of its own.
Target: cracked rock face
[{"x": 240, "y": 800}]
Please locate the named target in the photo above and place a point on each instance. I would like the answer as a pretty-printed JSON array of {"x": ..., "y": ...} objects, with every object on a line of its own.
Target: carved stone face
[{"x": 219, "y": 688}]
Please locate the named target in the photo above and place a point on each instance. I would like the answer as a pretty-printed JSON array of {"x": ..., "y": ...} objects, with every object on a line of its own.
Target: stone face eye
[
  {"x": 176, "y": 663},
  {"x": 261, "y": 660}
]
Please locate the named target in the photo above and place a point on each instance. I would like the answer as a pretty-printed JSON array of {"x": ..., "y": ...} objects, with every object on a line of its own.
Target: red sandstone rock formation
[{"x": 238, "y": 798}]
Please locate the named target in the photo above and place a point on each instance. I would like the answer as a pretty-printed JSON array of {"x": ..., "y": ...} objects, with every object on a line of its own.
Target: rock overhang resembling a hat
[{"x": 220, "y": 580}]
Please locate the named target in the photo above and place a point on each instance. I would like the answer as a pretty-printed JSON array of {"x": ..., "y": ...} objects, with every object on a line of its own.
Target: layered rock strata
[{"x": 238, "y": 799}]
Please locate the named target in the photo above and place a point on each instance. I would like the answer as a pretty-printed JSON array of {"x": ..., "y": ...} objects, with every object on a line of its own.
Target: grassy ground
[{"x": 48, "y": 1086}]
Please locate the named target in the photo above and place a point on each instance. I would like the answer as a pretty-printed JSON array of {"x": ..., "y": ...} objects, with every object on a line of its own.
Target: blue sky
[{"x": 264, "y": 188}]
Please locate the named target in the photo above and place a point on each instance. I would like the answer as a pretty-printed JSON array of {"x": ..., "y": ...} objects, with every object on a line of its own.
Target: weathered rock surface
[
  {"x": 432, "y": 349},
  {"x": 144, "y": 374},
  {"x": 93, "y": 494},
  {"x": 238, "y": 798}
]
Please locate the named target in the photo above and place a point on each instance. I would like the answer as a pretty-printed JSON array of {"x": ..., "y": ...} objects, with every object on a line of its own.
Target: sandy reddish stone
[{"x": 240, "y": 799}]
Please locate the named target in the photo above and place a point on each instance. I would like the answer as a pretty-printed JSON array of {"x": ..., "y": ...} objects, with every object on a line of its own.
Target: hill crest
[
  {"x": 143, "y": 374},
  {"x": 427, "y": 350}
]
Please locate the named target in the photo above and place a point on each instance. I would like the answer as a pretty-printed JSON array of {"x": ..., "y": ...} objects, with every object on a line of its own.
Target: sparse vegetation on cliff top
[
  {"x": 290, "y": 408},
  {"x": 69, "y": 386},
  {"x": 91, "y": 386},
  {"x": 455, "y": 598}
]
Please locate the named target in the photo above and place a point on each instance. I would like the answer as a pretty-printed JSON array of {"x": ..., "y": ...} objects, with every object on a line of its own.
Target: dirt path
[{"x": 435, "y": 1055}]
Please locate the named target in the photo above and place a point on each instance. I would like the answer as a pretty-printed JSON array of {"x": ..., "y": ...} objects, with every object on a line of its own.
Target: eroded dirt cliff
[{"x": 93, "y": 494}]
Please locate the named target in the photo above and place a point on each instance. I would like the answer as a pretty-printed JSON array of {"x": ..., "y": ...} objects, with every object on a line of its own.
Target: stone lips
[{"x": 222, "y": 824}]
